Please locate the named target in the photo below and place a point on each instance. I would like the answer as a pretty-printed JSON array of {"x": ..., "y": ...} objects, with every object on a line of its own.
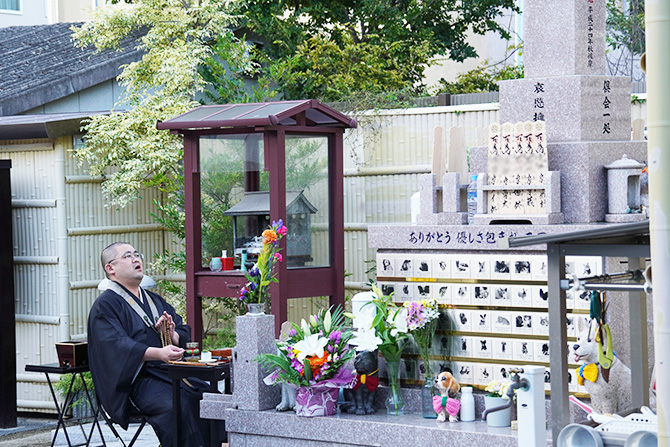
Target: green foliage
[
  {"x": 483, "y": 78},
  {"x": 626, "y": 29},
  {"x": 65, "y": 381},
  {"x": 224, "y": 338},
  {"x": 331, "y": 49}
]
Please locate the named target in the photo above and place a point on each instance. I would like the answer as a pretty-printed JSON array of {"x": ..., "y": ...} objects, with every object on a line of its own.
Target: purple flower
[
  {"x": 335, "y": 335},
  {"x": 254, "y": 271},
  {"x": 292, "y": 332},
  {"x": 251, "y": 286},
  {"x": 330, "y": 348}
]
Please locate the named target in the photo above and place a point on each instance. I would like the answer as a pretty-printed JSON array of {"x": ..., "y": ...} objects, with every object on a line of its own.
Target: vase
[
  {"x": 395, "y": 403},
  {"x": 500, "y": 418},
  {"x": 255, "y": 308},
  {"x": 427, "y": 393},
  {"x": 313, "y": 401}
]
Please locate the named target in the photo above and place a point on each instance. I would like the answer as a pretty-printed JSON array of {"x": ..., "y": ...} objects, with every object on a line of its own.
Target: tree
[
  {"x": 363, "y": 45},
  {"x": 626, "y": 37}
]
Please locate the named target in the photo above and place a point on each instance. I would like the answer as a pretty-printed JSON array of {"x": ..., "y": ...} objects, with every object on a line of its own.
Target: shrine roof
[{"x": 308, "y": 112}]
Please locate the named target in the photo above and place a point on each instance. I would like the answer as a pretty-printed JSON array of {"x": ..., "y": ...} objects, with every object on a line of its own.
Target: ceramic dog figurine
[
  {"x": 360, "y": 398},
  {"x": 606, "y": 397},
  {"x": 446, "y": 404}
]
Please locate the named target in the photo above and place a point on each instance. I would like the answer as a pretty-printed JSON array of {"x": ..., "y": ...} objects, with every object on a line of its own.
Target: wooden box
[{"x": 72, "y": 353}]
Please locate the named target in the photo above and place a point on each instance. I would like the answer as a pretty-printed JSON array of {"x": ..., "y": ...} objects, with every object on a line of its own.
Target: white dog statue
[{"x": 606, "y": 397}]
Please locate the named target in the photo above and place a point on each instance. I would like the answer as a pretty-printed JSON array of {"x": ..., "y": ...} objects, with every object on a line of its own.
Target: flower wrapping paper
[{"x": 320, "y": 399}]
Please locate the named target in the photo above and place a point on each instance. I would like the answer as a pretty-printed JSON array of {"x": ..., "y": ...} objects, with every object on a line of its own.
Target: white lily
[
  {"x": 314, "y": 345},
  {"x": 398, "y": 321},
  {"x": 305, "y": 328},
  {"x": 366, "y": 340},
  {"x": 364, "y": 317}
]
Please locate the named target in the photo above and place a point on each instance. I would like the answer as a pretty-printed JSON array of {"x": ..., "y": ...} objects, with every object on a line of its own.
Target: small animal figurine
[
  {"x": 607, "y": 397},
  {"x": 360, "y": 399},
  {"x": 287, "y": 397},
  {"x": 446, "y": 403}
]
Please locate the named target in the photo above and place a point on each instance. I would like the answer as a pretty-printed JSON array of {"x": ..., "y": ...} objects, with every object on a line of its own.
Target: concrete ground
[{"x": 38, "y": 431}]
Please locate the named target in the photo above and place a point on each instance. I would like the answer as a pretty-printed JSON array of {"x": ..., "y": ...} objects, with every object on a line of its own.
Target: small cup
[
  {"x": 215, "y": 265},
  {"x": 206, "y": 356},
  {"x": 192, "y": 345}
]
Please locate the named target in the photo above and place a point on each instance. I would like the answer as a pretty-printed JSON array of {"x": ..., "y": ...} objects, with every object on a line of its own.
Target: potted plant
[
  {"x": 313, "y": 359},
  {"x": 78, "y": 404},
  {"x": 497, "y": 396}
]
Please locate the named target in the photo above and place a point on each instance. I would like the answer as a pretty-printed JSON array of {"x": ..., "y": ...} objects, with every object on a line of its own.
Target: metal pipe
[
  {"x": 620, "y": 287},
  {"x": 63, "y": 287},
  {"x": 657, "y": 18},
  {"x": 40, "y": 319}
]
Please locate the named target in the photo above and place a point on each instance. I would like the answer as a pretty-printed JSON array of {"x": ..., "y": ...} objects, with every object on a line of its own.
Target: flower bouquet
[
  {"x": 313, "y": 358},
  {"x": 498, "y": 388},
  {"x": 422, "y": 318},
  {"x": 385, "y": 330},
  {"x": 257, "y": 290},
  {"x": 496, "y": 397}
]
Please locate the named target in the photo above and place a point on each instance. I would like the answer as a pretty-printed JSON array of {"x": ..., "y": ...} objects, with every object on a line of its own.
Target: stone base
[
  {"x": 625, "y": 218},
  {"x": 442, "y": 219},
  {"x": 534, "y": 219}
]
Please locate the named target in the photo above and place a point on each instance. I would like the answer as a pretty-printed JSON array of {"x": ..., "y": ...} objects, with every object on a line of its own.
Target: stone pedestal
[
  {"x": 255, "y": 335},
  {"x": 448, "y": 210}
]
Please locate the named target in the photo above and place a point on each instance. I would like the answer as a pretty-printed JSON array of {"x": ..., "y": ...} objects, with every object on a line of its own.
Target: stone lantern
[{"x": 623, "y": 191}]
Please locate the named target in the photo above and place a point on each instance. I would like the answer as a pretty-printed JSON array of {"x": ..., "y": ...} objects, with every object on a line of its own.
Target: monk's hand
[
  {"x": 171, "y": 353},
  {"x": 167, "y": 321}
]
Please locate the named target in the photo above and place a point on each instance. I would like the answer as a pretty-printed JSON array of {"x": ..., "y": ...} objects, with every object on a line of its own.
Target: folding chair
[{"x": 135, "y": 417}]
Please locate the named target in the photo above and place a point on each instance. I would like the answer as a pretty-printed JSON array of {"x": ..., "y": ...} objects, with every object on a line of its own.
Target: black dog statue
[{"x": 360, "y": 399}]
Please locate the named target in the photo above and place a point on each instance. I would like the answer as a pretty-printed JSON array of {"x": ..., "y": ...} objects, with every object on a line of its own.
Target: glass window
[
  {"x": 307, "y": 201},
  {"x": 10, "y": 5},
  {"x": 229, "y": 166}
]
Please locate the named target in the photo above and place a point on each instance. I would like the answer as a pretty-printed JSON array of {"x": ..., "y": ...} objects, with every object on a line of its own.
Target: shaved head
[{"x": 110, "y": 252}]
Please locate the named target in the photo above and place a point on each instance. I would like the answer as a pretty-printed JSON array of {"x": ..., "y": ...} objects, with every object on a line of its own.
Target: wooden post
[{"x": 7, "y": 319}]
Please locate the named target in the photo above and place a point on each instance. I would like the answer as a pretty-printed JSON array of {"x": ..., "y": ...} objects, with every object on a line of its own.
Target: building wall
[{"x": 45, "y": 12}]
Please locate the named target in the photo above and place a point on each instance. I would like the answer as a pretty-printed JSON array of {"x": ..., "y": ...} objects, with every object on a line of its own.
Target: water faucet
[{"x": 517, "y": 383}]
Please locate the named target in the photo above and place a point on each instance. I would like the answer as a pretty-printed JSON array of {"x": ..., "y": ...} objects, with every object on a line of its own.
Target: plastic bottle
[
  {"x": 467, "y": 404},
  {"x": 472, "y": 199}
]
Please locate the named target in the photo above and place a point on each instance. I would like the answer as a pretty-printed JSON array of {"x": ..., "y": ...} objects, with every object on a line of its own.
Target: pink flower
[
  {"x": 279, "y": 257},
  {"x": 282, "y": 230}
]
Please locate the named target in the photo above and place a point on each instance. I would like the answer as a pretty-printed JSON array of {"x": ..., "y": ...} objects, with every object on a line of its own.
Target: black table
[
  {"x": 55, "y": 368},
  {"x": 210, "y": 373}
]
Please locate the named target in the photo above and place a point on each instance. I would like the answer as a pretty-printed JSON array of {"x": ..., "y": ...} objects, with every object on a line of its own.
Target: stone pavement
[{"x": 38, "y": 432}]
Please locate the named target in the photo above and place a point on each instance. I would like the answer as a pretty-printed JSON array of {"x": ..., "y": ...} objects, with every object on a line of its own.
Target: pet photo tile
[
  {"x": 461, "y": 294},
  {"x": 538, "y": 268},
  {"x": 483, "y": 347},
  {"x": 502, "y": 322},
  {"x": 464, "y": 373},
  {"x": 423, "y": 291},
  {"x": 441, "y": 266},
  {"x": 521, "y": 268},
  {"x": 442, "y": 345},
  {"x": 386, "y": 264},
  {"x": 462, "y": 346},
  {"x": 502, "y": 348},
  {"x": 501, "y": 295},
  {"x": 522, "y": 350},
  {"x": 462, "y": 318},
  {"x": 522, "y": 323},
  {"x": 573, "y": 385},
  {"x": 541, "y": 351},
  {"x": 569, "y": 265},
  {"x": 540, "y": 297},
  {"x": 423, "y": 267},
  {"x": 405, "y": 266},
  {"x": 582, "y": 299},
  {"x": 409, "y": 369},
  {"x": 481, "y": 320},
  {"x": 480, "y": 267},
  {"x": 483, "y": 373},
  {"x": 443, "y": 293},
  {"x": 403, "y": 292},
  {"x": 460, "y": 268},
  {"x": 540, "y": 323},
  {"x": 481, "y": 295},
  {"x": 522, "y": 296},
  {"x": 501, "y": 267},
  {"x": 502, "y": 372},
  {"x": 570, "y": 322},
  {"x": 569, "y": 299},
  {"x": 388, "y": 288}
]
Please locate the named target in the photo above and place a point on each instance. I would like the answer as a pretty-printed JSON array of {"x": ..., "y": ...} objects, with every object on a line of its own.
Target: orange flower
[{"x": 269, "y": 236}]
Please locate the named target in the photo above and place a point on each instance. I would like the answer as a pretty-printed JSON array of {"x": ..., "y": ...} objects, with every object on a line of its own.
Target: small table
[
  {"x": 55, "y": 368},
  {"x": 211, "y": 373}
]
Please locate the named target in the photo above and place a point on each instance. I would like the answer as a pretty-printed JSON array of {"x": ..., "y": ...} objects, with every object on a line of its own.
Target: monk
[{"x": 132, "y": 332}]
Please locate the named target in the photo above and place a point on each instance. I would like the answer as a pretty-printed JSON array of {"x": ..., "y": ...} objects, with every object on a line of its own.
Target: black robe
[{"x": 117, "y": 341}]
